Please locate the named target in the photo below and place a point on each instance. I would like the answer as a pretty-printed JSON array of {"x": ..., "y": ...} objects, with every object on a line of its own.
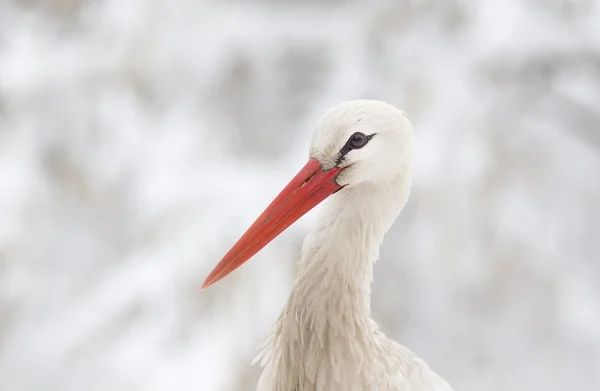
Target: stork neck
[
  {"x": 338, "y": 256},
  {"x": 329, "y": 306}
]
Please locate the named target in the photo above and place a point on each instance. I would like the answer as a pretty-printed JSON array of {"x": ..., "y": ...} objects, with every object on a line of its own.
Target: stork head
[
  {"x": 356, "y": 142},
  {"x": 369, "y": 141}
]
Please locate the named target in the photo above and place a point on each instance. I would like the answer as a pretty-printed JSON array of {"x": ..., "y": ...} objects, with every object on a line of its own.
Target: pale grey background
[{"x": 139, "y": 138}]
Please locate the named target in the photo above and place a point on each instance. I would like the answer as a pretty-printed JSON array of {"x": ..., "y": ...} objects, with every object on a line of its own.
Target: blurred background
[{"x": 140, "y": 138}]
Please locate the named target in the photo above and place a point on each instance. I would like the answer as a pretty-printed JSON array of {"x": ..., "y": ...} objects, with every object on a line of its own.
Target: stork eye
[{"x": 358, "y": 140}]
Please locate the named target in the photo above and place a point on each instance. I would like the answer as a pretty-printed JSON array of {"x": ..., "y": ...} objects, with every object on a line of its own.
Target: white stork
[{"x": 325, "y": 340}]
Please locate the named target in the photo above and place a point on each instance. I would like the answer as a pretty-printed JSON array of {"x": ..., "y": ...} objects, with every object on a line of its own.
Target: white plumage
[{"x": 324, "y": 339}]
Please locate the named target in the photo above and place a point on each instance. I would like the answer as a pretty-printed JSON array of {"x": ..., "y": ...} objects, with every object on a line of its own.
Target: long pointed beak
[{"x": 308, "y": 188}]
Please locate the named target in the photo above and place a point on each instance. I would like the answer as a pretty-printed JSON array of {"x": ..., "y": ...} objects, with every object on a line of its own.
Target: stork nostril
[{"x": 308, "y": 179}]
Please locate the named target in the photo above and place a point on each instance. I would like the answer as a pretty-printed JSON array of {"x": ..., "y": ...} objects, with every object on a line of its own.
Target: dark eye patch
[{"x": 356, "y": 141}]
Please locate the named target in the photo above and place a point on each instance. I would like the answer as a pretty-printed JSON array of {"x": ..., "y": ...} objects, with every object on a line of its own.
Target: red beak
[{"x": 308, "y": 188}]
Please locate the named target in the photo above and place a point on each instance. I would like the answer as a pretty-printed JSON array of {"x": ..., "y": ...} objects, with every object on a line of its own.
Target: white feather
[{"x": 324, "y": 339}]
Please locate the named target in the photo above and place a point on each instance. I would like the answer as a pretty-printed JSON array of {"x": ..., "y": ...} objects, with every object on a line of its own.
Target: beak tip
[{"x": 205, "y": 285}]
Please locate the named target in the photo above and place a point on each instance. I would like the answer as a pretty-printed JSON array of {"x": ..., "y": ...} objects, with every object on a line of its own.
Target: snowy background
[{"x": 139, "y": 138}]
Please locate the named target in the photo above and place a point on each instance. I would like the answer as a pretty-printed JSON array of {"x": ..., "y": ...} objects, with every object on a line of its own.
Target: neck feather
[
  {"x": 329, "y": 307},
  {"x": 336, "y": 267}
]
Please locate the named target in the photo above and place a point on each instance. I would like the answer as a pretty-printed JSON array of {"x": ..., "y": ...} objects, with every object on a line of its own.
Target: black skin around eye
[{"x": 356, "y": 141}]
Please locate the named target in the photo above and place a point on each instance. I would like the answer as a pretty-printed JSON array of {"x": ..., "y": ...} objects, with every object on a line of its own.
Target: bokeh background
[{"x": 139, "y": 138}]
